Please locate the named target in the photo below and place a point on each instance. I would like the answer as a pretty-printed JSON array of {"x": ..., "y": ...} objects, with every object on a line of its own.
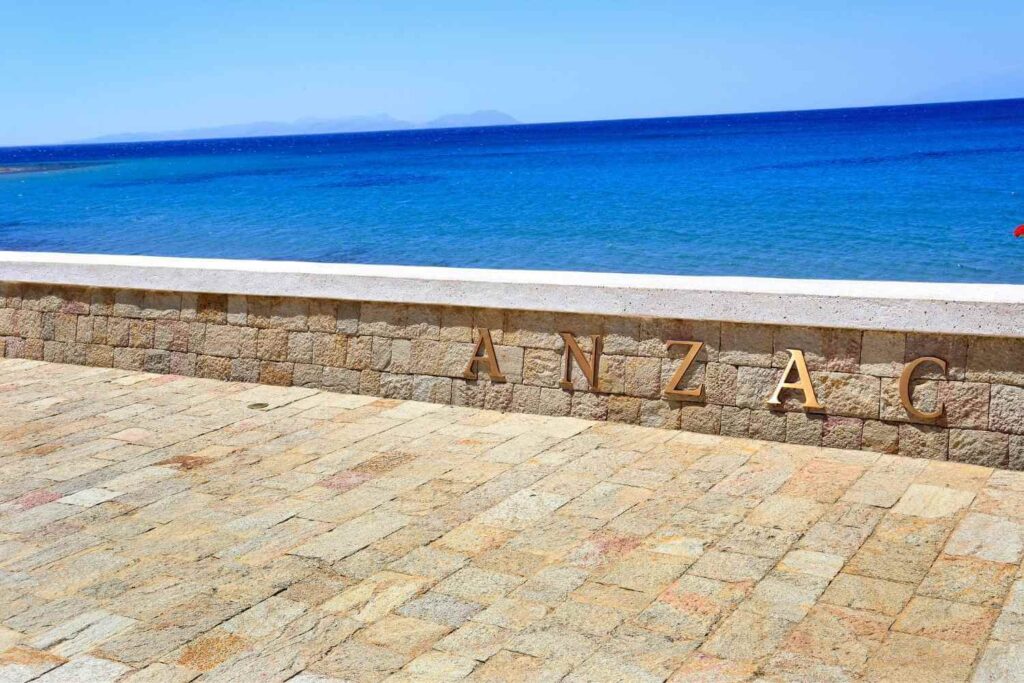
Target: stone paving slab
[{"x": 164, "y": 528}]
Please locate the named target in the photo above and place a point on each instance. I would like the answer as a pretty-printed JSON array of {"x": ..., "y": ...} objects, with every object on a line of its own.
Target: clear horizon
[
  {"x": 76, "y": 71},
  {"x": 531, "y": 123}
]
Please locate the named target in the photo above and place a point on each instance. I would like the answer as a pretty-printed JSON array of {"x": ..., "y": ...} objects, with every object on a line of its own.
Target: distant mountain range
[{"x": 311, "y": 126}]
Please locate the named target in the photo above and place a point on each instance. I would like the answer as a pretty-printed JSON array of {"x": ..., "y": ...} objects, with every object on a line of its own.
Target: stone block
[
  {"x": 842, "y": 432},
  {"x": 277, "y": 373},
  {"x": 248, "y": 342},
  {"x": 380, "y": 348},
  {"x": 53, "y": 351},
  {"x": 196, "y": 336},
  {"x": 883, "y": 353},
  {"x": 735, "y": 421},
  {"x": 621, "y": 336},
  {"x": 8, "y": 324},
  {"x": 348, "y": 313},
  {"x": 659, "y": 413},
  {"x": 237, "y": 310},
  {"x": 212, "y": 308},
  {"x": 847, "y": 395},
  {"x": 183, "y": 363},
  {"x": 995, "y": 360},
  {"x": 395, "y": 386},
  {"x": 721, "y": 383},
  {"x": 157, "y": 361},
  {"x": 400, "y": 321},
  {"x": 824, "y": 350},
  {"x": 1006, "y": 409},
  {"x": 705, "y": 419},
  {"x": 161, "y": 306},
  {"x": 48, "y": 327},
  {"x": 624, "y": 409},
  {"x": 990, "y": 449},
  {"x": 65, "y": 327},
  {"x": 880, "y": 437},
  {"x": 768, "y": 425},
  {"x": 746, "y": 345},
  {"x": 966, "y": 404},
  {"x": 32, "y": 349},
  {"x": 455, "y": 356},
  {"x": 468, "y": 393},
  {"x": 99, "y": 356},
  {"x": 456, "y": 324},
  {"x": 300, "y": 347},
  {"x": 655, "y": 333},
  {"x": 189, "y": 311},
  {"x": 213, "y": 367},
  {"x": 279, "y": 313},
  {"x": 245, "y": 370},
  {"x": 128, "y": 358},
  {"x": 272, "y": 345},
  {"x": 28, "y": 324},
  {"x": 400, "y": 356},
  {"x": 542, "y": 367},
  {"x": 924, "y": 394},
  {"x": 141, "y": 334},
  {"x": 804, "y": 428},
  {"x": 555, "y": 402},
  {"x": 534, "y": 330},
  {"x": 427, "y": 357},
  {"x": 359, "y": 353},
  {"x": 493, "y": 319},
  {"x": 498, "y": 397},
  {"x": 329, "y": 349},
  {"x": 341, "y": 379},
  {"x": 432, "y": 389},
  {"x": 101, "y": 302},
  {"x": 923, "y": 441},
  {"x": 755, "y": 385},
  {"x": 307, "y": 375},
  {"x": 1016, "y": 461},
  {"x": 222, "y": 340},
  {"x": 170, "y": 335},
  {"x": 128, "y": 303},
  {"x": 76, "y": 301},
  {"x": 369, "y": 383},
  {"x": 951, "y": 349},
  {"x": 589, "y": 406},
  {"x": 643, "y": 377}
]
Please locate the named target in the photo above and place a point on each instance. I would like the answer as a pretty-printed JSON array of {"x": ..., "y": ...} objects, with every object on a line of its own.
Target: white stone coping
[{"x": 978, "y": 309}]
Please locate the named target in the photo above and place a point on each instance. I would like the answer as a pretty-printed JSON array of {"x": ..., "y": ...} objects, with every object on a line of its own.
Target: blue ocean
[{"x": 929, "y": 192}]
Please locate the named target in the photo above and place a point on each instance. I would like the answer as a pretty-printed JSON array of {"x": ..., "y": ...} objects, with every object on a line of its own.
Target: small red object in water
[{"x": 1019, "y": 232}]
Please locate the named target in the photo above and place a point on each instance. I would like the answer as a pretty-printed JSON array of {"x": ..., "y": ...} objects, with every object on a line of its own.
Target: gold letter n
[
  {"x": 488, "y": 358},
  {"x": 589, "y": 368},
  {"x": 802, "y": 383}
]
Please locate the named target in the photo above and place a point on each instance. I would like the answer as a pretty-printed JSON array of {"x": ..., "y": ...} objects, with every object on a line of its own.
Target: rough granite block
[
  {"x": 990, "y": 449},
  {"x": 749, "y": 345},
  {"x": 923, "y": 441}
]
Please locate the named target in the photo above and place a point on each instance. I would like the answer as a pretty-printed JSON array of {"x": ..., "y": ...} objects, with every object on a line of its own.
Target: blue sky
[{"x": 72, "y": 69}]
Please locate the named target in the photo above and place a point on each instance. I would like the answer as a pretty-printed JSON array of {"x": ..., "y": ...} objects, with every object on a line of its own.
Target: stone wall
[{"x": 420, "y": 352}]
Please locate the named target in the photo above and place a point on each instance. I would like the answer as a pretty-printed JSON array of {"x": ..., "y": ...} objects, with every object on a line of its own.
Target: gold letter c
[{"x": 908, "y": 374}]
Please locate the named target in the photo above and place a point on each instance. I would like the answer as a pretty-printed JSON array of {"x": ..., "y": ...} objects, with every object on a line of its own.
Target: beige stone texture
[
  {"x": 395, "y": 350},
  {"x": 749, "y": 345}
]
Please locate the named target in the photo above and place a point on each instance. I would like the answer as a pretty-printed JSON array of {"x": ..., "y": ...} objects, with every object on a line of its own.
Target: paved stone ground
[{"x": 161, "y": 528}]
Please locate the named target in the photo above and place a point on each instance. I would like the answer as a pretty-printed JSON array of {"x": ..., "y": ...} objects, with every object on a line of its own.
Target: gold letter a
[
  {"x": 802, "y": 383},
  {"x": 488, "y": 358}
]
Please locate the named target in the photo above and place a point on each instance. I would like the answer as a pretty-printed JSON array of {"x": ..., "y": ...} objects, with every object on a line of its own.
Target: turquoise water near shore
[{"x": 929, "y": 192}]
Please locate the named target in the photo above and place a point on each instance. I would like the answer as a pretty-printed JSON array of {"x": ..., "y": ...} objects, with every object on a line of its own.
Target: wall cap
[{"x": 942, "y": 308}]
